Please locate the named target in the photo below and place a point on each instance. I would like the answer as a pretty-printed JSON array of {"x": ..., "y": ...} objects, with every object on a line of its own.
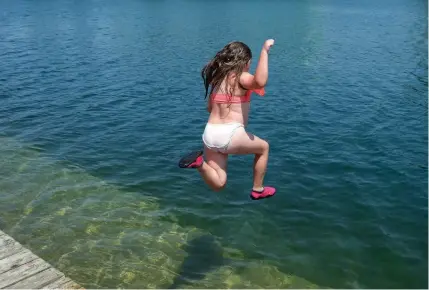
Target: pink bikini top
[{"x": 224, "y": 98}]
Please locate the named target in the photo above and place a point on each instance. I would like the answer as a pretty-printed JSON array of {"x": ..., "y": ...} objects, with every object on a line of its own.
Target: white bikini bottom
[{"x": 217, "y": 137}]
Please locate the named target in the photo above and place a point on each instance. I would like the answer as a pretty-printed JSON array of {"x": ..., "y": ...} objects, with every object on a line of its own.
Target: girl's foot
[
  {"x": 266, "y": 192},
  {"x": 192, "y": 160}
]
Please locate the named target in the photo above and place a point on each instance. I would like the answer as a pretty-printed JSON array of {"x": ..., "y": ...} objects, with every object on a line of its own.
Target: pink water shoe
[
  {"x": 265, "y": 193},
  {"x": 192, "y": 160}
]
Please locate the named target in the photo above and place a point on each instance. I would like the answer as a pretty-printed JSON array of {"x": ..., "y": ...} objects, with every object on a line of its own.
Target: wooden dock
[{"x": 21, "y": 269}]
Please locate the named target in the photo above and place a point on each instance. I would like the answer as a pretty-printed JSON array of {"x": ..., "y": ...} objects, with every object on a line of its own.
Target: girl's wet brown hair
[{"x": 233, "y": 58}]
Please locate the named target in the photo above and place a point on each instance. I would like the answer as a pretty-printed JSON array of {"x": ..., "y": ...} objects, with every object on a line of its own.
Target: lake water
[{"x": 100, "y": 99}]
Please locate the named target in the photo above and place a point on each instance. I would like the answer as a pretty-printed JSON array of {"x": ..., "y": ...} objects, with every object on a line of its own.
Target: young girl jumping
[{"x": 231, "y": 85}]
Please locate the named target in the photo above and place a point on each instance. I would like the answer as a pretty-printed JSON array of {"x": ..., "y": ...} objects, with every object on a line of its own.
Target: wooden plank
[
  {"x": 17, "y": 274},
  {"x": 4, "y": 237},
  {"x": 16, "y": 260},
  {"x": 57, "y": 284},
  {"x": 20, "y": 268},
  {"x": 9, "y": 247},
  {"x": 38, "y": 280}
]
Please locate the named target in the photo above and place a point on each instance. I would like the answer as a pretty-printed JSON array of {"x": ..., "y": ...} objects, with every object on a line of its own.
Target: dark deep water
[{"x": 99, "y": 99}]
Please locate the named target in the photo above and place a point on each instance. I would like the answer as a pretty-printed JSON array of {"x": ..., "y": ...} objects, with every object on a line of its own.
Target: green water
[{"x": 120, "y": 238}]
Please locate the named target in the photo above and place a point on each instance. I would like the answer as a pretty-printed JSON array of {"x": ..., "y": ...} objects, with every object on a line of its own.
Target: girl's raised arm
[{"x": 259, "y": 80}]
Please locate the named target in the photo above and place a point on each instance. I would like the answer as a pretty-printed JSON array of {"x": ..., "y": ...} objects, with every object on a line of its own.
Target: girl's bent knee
[
  {"x": 265, "y": 146},
  {"x": 219, "y": 186}
]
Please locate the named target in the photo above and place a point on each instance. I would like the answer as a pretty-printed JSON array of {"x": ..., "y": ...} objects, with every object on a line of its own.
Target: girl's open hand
[{"x": 268, "y": 43}]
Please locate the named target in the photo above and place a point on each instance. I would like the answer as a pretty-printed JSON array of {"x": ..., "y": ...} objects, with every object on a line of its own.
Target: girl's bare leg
[
  {"x": 246, "y": 143},
  {"x": 212, "y": 170}
]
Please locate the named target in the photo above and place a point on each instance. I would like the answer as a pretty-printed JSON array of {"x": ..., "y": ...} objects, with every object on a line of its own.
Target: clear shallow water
[{"x": 100, "y": 99}]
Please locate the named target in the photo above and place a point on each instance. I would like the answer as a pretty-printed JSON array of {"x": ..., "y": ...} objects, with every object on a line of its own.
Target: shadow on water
[{"x": 204, "y": 255}]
